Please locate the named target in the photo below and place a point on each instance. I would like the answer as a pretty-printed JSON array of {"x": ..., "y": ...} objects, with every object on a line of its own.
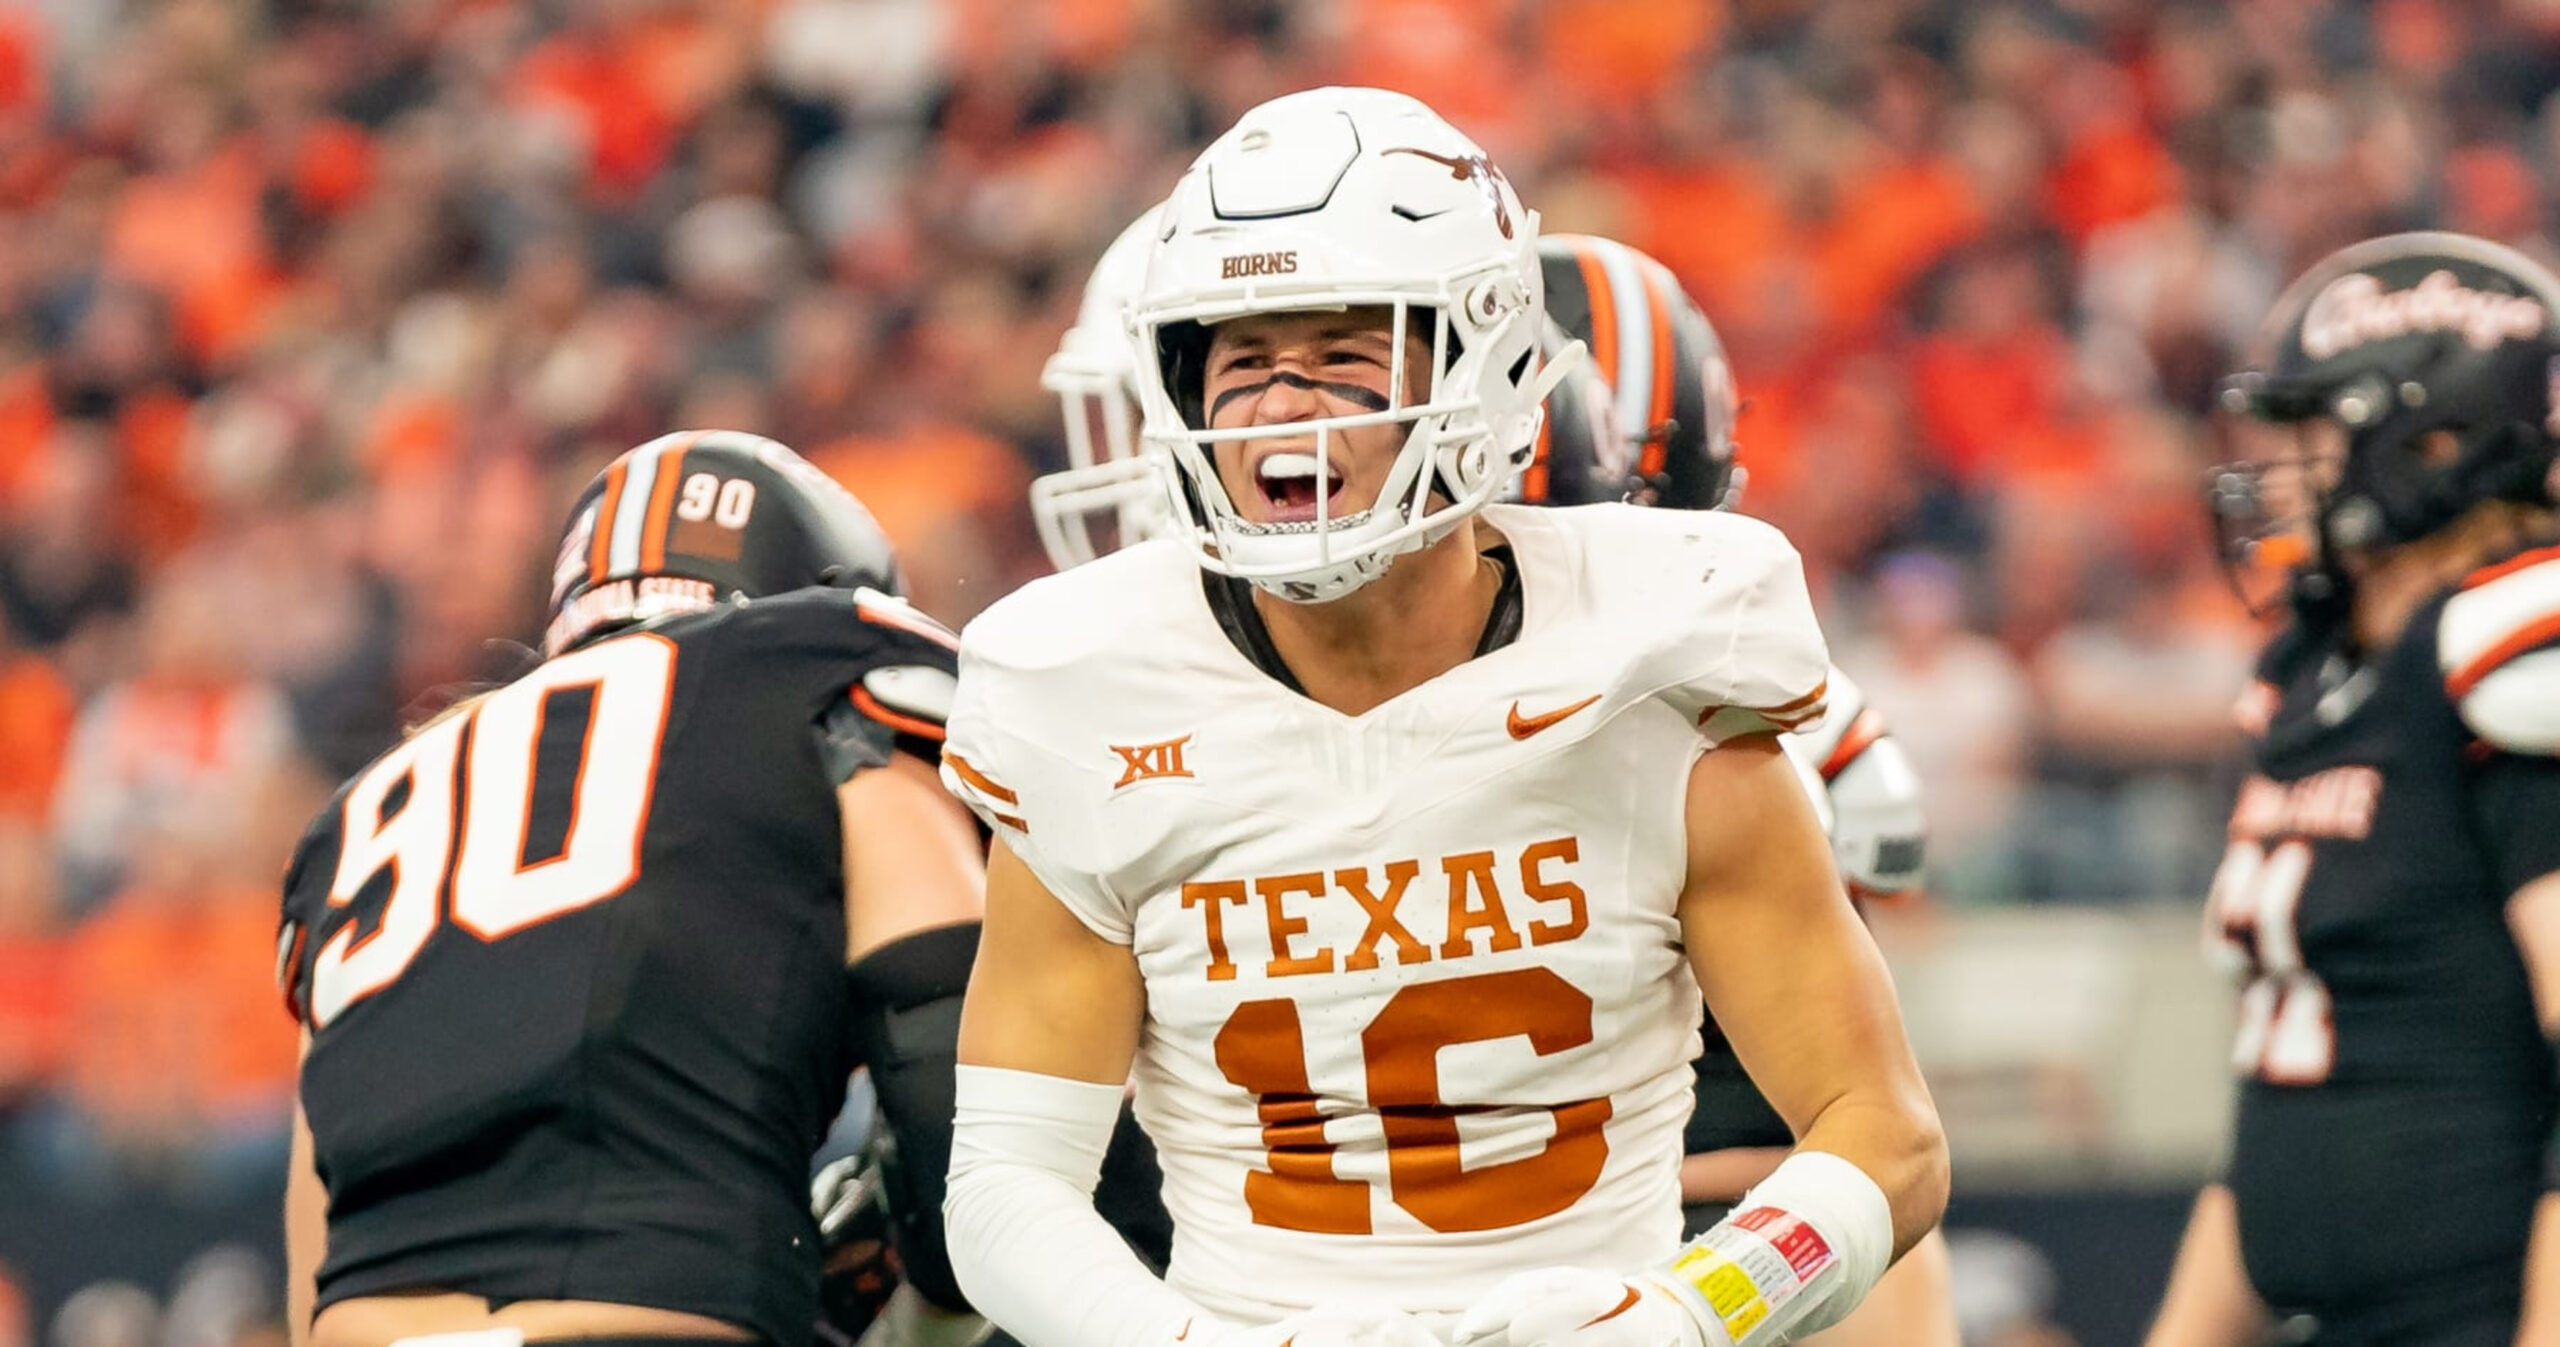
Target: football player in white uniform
[
  {"x": 1391, "y": 835},
  {"x": 1666, "y": 375}
]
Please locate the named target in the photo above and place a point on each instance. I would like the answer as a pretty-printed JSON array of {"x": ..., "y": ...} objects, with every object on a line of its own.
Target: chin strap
[{"x": 1569, "y": 357}]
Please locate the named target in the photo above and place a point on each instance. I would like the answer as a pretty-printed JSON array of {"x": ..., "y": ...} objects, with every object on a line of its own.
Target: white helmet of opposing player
[
  {"x": 1327, "y": 200},
  {"x": 1094, "y": 373}
]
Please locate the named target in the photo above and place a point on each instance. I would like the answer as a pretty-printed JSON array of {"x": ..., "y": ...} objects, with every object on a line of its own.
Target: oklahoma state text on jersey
[{"x": 1418, "y": 1015}]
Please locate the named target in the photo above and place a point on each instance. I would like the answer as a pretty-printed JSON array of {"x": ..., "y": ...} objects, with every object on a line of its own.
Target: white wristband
[
  {"x": 1798, "y": 1253},
  {"x": 1026, "y": 1243}
]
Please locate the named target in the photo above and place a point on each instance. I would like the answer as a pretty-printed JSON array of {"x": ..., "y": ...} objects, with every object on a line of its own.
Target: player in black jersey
[
  {"x": 584, "y": 964},
  {"x": 2392, "y": 889},
  {"x": 1664, "y": 436}
]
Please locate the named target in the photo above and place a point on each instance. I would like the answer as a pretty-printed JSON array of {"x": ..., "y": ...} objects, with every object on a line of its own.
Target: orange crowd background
[{"x": 315, "y": 313}]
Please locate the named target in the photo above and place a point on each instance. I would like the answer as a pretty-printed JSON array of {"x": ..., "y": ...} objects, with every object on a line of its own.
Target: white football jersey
[{"x": 1418, "y": 1014}]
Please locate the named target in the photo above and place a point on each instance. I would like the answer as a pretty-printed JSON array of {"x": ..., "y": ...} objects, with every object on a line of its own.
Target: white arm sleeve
[{"x": 1028, "y": 1247}]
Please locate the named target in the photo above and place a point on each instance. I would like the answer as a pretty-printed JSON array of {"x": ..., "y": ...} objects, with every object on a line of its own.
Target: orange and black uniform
[
  {"x": 618, "y": 1103},
  {"x": 2398, "y": 1098}
]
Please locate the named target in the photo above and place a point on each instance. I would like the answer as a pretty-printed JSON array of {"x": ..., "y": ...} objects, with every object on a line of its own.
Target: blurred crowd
[{"x": 315, "y": 313}]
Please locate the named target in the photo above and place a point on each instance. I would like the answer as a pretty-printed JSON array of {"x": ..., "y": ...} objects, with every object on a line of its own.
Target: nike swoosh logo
[
  {"x": 1622, "y": 1307},
  {"x": 1186, "y": 1331},
  {"x": 1522, "y": 727}
]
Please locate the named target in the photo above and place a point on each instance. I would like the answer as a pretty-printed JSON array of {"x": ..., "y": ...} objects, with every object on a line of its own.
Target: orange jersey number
[{"x": 1262, "y": 1049}]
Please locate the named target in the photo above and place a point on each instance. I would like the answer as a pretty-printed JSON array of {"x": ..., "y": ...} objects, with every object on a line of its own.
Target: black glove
[{"x": 858, "y": 1269}]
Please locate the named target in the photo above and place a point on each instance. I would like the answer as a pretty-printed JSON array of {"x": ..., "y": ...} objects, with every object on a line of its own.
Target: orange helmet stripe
[
  {"x": 1604, "y": 312},
  {"x": 600, "y": 550},
  {"x": 1656, "y": 447},
  {"x": 662, "y": 502}
]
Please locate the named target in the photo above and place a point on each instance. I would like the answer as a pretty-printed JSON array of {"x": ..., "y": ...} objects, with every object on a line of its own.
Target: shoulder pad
[
  {"x": 2498, "y": 647},
  {"x": 1848, "y": 725},
  {"x": 1879, "y": 833},
  {"x": 888, "y": 610},
  {"x": 918, "y": 693},
  {"x": 1084, "y": 612},
  {"x": 893, "y": 706},
  {"x": 1734, "y": 646},
  {"x": 836, "y": 620},
  {"x": 2516, "y": 706}
]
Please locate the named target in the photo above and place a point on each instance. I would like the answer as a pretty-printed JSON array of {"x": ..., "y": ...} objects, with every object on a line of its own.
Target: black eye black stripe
[{"x": 1365, "y": 398}]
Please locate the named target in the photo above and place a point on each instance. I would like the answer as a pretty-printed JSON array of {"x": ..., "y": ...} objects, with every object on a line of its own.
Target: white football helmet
[
  {"x": 1330, "y": 199},
  {"x": 1095, "y": 375}
]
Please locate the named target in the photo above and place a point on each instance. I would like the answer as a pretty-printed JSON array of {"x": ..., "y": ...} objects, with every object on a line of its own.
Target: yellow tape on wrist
[{"x": 1751, "y": 1266}]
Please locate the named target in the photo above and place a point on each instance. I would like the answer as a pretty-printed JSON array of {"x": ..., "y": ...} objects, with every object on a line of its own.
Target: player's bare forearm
[
  {"x": 2533, "y": 915},
  {"x": 1897, "y": 1142},
  {"x": 2209, "y": 1302},
  {"x": 1797, "y": 984},
  {"x": 910, "y": 856},
  {"x": 1047, "y": 994},
  {"x": 1725, "y": 1175},
  {"x": 306, "y": 1232},
  {"x": 2541, "y": 1323}
]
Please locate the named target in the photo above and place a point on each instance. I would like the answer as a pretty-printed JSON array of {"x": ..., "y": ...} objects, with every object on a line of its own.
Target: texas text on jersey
[
  {"x": 571, "y": 958},
  {"x": 1357, "y": 932},
  {"x": 2395, "y": 803}
]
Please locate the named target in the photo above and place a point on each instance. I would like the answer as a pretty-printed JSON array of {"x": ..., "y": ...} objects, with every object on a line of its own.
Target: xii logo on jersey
[{"x": 1148, "y": 762}]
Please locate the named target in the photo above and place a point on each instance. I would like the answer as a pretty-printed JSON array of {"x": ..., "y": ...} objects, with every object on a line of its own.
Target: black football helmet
[
  {"x": 704, "y": 517},
  {"x": 2394, "y": 339},
  {"x": 1579, "y": 459},
  {"x": 1672, "y": 388}
]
